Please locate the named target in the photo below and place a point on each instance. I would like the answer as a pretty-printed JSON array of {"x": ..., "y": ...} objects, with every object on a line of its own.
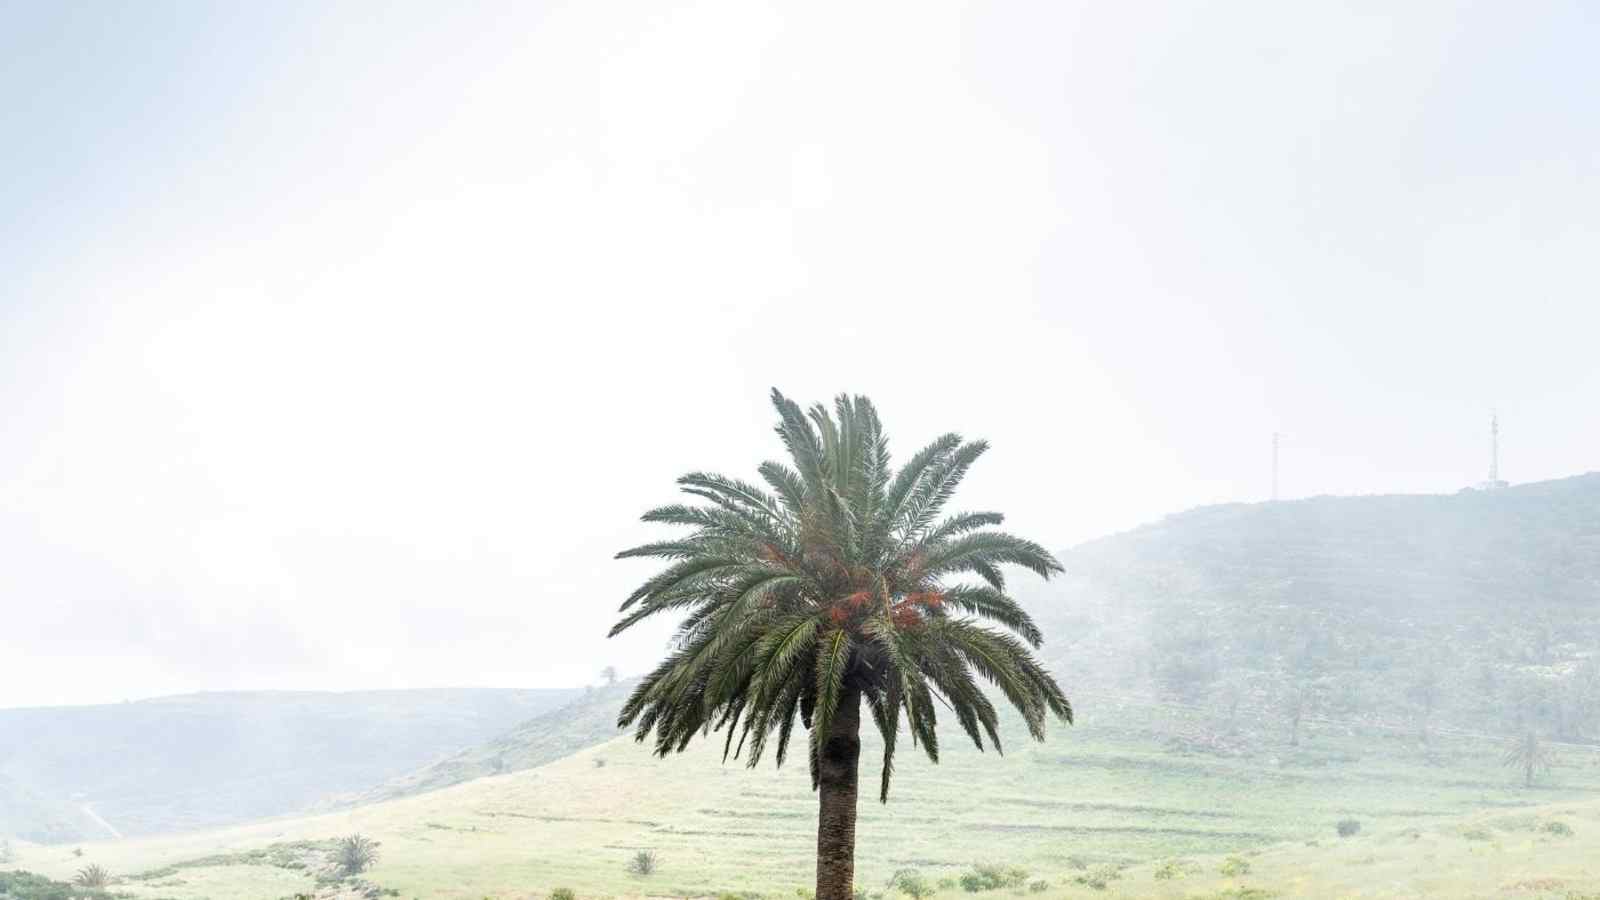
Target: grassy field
[{"x": 1093, "y": 800}]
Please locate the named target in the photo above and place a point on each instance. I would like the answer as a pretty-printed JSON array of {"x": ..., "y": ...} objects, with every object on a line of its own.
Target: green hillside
[
  {"x": 203, "y": 760},
  {"x": 589, "y": 719},
  {"x": 1104, "y": 796},
  {"x": 1478, "y": 611},
  {"x": 26, "y": 813}
]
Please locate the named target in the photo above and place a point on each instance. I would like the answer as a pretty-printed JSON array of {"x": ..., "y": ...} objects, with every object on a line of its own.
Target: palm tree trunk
[{"x": 837, "y": 764}]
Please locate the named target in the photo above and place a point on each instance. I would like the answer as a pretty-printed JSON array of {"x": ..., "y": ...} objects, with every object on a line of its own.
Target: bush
[
  {"x": 643, "y": 864},
  {"x": 1349, "y": 827},
  {"x": 1477, "y": 834},
  {"x": 947, "y": 884},
  {"x": 1039, "y": 887},
  {"x": 990, "y": 877},
  {"x": 1559, "y": 829},
  {"x": 355, "y": 854},
  {"x": 563, "y": 894},
  {"x": 1176, "y": 869},
  {"x": 1077, "y": 862},
  {"x": 911, "y": 883},
  {"x": 1099, "y": 877},
  {"x": 1234, "y": 866},
  {"x": 28, "y": 886}
]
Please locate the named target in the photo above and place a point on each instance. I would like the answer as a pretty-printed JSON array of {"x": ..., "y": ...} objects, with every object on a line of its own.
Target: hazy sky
[{"x": 342, "y": 348}]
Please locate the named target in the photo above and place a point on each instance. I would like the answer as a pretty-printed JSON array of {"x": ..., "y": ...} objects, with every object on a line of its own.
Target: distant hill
[
  {"x": 34, "y": 817},
  {"x": 589, "y": 719},
  {"x": 1484, "y": 606},
  {"x": 201, "y": 760}
]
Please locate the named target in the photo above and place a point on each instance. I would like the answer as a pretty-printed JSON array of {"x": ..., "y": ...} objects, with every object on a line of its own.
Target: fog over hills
[
  {"x": 1480, "y": 608},
  {"x": 1335, "y": 604},
  {"x": 1236, "y": 629},
  {"x": 199, "y": 760}
]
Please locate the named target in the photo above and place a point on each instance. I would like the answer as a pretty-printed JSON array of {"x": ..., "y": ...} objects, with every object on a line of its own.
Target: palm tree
[
  {"x": 92, "y": 876},
  {"x": 1529, "y": 754},
  {"x": 837, "y": 582},
  {"x": 355, "y": 854}
]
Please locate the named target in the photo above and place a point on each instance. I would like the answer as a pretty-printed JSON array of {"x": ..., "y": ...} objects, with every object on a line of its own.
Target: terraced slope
[{"x": 1103, "y": 793}]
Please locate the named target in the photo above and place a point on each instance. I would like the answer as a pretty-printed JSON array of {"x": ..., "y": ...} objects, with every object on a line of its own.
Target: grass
[{"x": 1095, "y": 799}]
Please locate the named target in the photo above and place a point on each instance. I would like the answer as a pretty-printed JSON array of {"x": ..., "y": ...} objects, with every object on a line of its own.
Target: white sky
[{"x": 342, "y": 349}]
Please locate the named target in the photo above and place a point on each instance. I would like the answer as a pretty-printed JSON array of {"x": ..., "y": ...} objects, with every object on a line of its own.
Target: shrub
[
  {"x": 563, "y": 894},
  {"x": 911, "y": 883},
  {"x": 643, "y": 864},
  {"x": 1234, "y": 866},
  {"x": 92, "y": 876},
  {"x": 599, "y": 762},
  {"x": 1477, "y": 834},
  {"x": 1099, "y": 877},
  {"x": 1559, "y": 829},
  {"x": 355, "y": 854},
  {"x": 1176, "y": 869},
  {"x": 1077, "y": 862},
  {"x": 1039, "y": 887},
  {"x": 28, "y": 886},
  {"x": 1349, "y": 827},
  {"x": 947, "y": 884},
  {"x": 990, "y": 877}
]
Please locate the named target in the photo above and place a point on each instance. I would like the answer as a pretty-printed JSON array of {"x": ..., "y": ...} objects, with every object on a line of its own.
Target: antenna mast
[{"x": 1493, "y": 483}]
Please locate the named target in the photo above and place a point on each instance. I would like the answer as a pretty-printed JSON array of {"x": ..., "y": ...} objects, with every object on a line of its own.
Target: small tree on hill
[
  {"x": 609, "y": 673},
  {"x": 1529, "y": 754},
  {"x": 643, "y": 863}
]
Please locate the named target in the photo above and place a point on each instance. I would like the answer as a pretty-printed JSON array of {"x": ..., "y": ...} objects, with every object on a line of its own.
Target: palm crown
[{"x": 839, "y": 579}]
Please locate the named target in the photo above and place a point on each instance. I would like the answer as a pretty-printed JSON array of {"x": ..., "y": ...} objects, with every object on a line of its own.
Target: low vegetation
[
  {"x": 29, "y": 886},
  {"x": 643, "y": 863}
]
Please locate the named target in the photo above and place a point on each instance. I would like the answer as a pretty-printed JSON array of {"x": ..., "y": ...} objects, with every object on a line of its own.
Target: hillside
[
  {"x": 203, "y": 760},
  {"x": 589, "y": 719},
  {"x": 25, "y": 813},
  {"x": 1101, "y": 796},
  {"x": 1475, "y": 610}
]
